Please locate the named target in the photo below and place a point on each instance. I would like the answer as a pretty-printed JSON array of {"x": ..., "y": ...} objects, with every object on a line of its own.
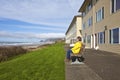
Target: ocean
[{"x": 23, "y": 43}]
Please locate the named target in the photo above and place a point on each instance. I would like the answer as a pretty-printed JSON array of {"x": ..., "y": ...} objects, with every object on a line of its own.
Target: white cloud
[
  {"x": 58, "y": 29},
  {"x": 31, "y": 35},
  {"x": 35, "y": 11},
  {"x": 57, "y": 13},
  {"x": 39, "y": 11}
]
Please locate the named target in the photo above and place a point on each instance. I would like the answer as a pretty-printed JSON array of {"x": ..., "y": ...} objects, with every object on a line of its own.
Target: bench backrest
[{"x": 81, "y": 51}]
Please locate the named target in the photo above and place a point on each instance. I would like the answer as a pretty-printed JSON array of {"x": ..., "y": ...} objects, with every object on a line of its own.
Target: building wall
[
  {"x": 79, "y": 26},
  {"x": 88, "y": 29},
  {"x": 110, "y": 21},
  {"x": 74, "y": 29},
  {"x": 71, "y": 33}
]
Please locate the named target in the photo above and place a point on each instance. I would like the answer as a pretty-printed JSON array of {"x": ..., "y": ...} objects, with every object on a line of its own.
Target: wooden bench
[{"x": 78, "y": 57}]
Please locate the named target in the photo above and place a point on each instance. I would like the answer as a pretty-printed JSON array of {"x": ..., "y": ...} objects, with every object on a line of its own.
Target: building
[
  {"x": 74, "y": 29},
  {"x": 101, "y": 24}
]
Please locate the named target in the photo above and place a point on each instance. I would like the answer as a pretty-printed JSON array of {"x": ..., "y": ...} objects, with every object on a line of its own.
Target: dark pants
[{"x": 68, "y": 54}]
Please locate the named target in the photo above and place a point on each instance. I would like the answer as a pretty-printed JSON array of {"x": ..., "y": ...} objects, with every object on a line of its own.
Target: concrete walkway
[
  {"x": 98, "y": 65},
  {"x": 80, "y": 72}
]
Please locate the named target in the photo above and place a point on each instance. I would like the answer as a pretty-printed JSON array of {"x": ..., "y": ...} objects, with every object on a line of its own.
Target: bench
[{"x": 78, "y": 57}]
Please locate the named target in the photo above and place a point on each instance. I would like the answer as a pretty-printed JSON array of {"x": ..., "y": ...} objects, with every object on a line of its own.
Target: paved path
[
  {"x": 99, "y": 65},
  {"x": 80, "y": 72}
]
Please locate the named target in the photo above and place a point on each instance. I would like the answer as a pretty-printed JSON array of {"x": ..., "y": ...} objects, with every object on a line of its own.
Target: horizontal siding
[{"x": 110, "y": 48}]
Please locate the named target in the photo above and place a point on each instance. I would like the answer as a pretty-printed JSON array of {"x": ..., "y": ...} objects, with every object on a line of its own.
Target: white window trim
[
  {"x": 101, "y": 11},
  {"x": 119, "y": 35},
  {"x": 110, "y": 6},
  {"x": 114, "y": 5},
  {"x": 91, "y": 41},
  {"x": 112, "y": 36},
  {"x": 94, "y": 41},
  {"x": 97, "y": 16},
  {"x": 99, "y": 38}
]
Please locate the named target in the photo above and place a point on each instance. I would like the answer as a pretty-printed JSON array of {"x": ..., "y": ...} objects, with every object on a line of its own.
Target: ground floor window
[
  {"x": 89, "y": 39},
  {"x": 101, "y": 37},
  {"x": 73, "y": 40},
  {"x": 84, "y": 39},
  {"x": 114, "y": 36}
]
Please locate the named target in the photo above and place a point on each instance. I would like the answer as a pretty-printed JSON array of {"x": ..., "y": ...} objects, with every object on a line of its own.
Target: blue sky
[{"x": 30, "y": 20}]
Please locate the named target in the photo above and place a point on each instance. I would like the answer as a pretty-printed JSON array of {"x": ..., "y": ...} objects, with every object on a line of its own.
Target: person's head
[{"x": 79, "y": 38}]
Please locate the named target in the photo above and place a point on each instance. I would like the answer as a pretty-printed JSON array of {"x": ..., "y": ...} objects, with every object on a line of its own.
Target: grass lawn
[{"x": 42, "y": 64}]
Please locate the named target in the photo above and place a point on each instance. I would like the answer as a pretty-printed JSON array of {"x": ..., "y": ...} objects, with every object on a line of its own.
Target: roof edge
[{"x": 83, "y": 5}]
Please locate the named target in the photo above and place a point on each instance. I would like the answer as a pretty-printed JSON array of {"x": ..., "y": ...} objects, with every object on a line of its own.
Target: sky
[{"x": 32, "y": 20}]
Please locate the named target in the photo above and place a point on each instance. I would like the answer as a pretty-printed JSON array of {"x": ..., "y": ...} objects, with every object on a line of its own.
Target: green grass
[{"x": 43, "y": 64}]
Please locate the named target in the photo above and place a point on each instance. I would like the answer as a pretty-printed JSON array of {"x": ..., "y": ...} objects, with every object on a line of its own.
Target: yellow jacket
[{"x": 77, "y": 47}]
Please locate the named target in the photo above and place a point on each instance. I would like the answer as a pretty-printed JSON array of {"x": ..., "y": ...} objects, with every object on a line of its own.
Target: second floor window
[
  {"x": 83, "y": 14},
  {"x": 89, "y": 5},
  {"x": 115, "y": 5},
  {"x": 100, "y": 14},
  {"x": 84, "y": 26},
  {"x": 90, "y": 21}
]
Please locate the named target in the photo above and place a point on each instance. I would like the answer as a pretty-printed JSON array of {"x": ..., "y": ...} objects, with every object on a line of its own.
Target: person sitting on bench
[{"x": 75, "y": 50}]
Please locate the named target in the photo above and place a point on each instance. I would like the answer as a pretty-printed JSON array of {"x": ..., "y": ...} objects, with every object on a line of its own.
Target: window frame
[
  {"x": 103, "y": 37},
  {"x": 83, "y": 14},
  {"x": 114, "y": 6},
  {"x": 84, "y": 26},
  {"x": 117, "y": 6},
  {"x": 84, "y": 39},
  {"x": 100, "y": 14},
  {"x": 90, "y": 22},
  {"x": 111, "y": 40},
  {"x": 89, "y": 39},
  {"x": 89, "y": 6}
]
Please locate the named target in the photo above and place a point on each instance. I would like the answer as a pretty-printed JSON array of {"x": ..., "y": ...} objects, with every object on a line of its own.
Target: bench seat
[{"x": 78, "y": 56}]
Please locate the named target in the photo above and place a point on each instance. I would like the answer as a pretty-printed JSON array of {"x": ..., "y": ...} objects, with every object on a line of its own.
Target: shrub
[{"x": 6, "y": 52}]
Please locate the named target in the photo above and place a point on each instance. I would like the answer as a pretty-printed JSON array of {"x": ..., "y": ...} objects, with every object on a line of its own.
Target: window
[
  {"x": 89, "y": 21},
  {"x": 88, "y": 39},
  {"x": 101, "y": 37},
  {"x": 73, "y": 40},
  {"x": 96, "y": 0},
  {"x": 114, "y": 36},
  {"x": 84, "y": 25},
  {"x": 100, "y": 15},
  {"x": 115, "y": 5},
  {"x": 84, "y": 39},
  {"x": 90, "y": 5},
  {"x": 83, "y": 14}
]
